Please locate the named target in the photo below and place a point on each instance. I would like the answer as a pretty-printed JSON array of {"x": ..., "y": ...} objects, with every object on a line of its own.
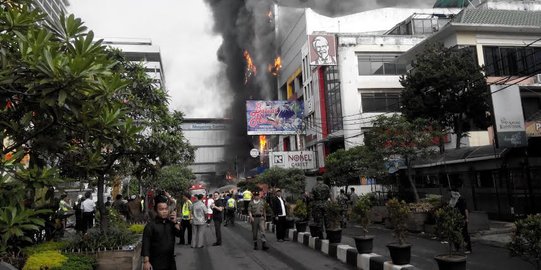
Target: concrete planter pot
[
  {"x": 451, "y": 262},
  {"x": 120, "y": 259},
  {"x": 400, "y": 254},
  {"x": 364, "y": 244},
  {"x": 334, "y": 236},
  {"x": 301, "y": 225}
]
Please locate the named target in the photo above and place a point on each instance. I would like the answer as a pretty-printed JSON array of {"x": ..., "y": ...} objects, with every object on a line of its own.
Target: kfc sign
[{"x": 295, "y": 159}]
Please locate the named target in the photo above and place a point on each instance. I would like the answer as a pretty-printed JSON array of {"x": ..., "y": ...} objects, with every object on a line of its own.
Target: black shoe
[
  {"x": 265, "y": 247},
  {"x": 217, "y": 244},
  {"x": 255, "y": 246}
]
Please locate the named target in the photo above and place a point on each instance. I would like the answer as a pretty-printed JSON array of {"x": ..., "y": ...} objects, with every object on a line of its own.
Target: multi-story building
[
  {"x": 144, "y": 52},
  {"x": 210, "y": 138},
  {"x": 53, "y": 8},
  {"x": 500, "y": 177},
  {"x": 341, "y": 99}
]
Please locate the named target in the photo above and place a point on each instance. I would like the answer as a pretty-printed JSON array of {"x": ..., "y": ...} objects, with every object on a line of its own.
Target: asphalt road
[{"x": 237, "y": 252}]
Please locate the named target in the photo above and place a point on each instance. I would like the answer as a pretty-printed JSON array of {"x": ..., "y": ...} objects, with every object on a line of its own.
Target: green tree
[
  {"x": 175, "y": 179},
  {"x": 292, "y": 180},
  {"x": 394, "y": 136},
  {"x": 447, "y": 86},
  {"x": 344, "y": 165}
]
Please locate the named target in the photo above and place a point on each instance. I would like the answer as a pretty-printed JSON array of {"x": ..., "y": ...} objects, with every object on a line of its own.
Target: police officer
[
  {"x": 230, "y": 208},
  {"x": 185, "y": 223},
  {"x": 256, "y": 213}
]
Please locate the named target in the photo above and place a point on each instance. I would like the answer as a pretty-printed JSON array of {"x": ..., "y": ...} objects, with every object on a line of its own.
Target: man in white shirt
[
  {"x": 280, "y": 212},
  {"x": 88, "y": 207}
]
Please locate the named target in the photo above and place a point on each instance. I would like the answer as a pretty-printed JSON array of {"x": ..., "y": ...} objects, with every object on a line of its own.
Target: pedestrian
[
  {"x": 246, "y": 198},
  {"x": 185, "y": 224},
  {"x": 343, "y": 202},
  {"x": 256, "y": 213},
  {"x": 121, "y": 207},
  {"x": 78, "y": 213},
  {"x": 64, "y": 209},
  {"x": 209, "y": 203},
  {"x": 88, "y": 207},
  {"x": 217, "y": 217},
  {"x": 353, "y": 197},
  {"x": 279, "y": 209},
  {"x": 459, "y": 203},
  {"x": 198, "y": 213},
  {"x": 158, "y": 250},
  {"x": 109, "y": 202},
  {"x": 320, "y": 195},
  {"x": 134, "y": 208},
  {"x": 231, "y": 207}
]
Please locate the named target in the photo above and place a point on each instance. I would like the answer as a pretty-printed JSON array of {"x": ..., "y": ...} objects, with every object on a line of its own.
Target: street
[{"x": 237, "y": 252}]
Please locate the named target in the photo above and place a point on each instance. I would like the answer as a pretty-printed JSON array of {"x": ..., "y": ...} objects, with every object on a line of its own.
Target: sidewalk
[{"x": 488, "y": 253}]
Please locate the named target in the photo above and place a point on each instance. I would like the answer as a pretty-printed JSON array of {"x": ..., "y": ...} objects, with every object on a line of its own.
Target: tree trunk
[
  {"x": 101, "y": 205},
  {"x": 412, "y": 183},
  {"x": 459, "y": 133}
]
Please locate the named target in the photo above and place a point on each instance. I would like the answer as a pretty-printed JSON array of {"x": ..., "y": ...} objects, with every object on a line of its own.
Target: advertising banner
[
  {"x": 304, "y": 160},
  {"x": 533, "y": 129},
  {"x": 509, "y": 118},
  {"x": 322, "y": 50},
  {"x": 274, "y": 117}
]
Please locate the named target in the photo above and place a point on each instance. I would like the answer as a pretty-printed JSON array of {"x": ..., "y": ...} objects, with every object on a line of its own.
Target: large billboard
[
  {"x": 509, "y": 119},
  {"x": 294, "y": 159},
  {"x": 322, "y": 50},
  {"x": 274, "y": 117}
]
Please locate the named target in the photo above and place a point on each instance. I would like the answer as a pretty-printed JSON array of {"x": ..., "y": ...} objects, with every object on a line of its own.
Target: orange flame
[
  {"x": 276, "y": 67},
  {"x": 262, "y": 143},
  {"x": 251, "y": 69}
]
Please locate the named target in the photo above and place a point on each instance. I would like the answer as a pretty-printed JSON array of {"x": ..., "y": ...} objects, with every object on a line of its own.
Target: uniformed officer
[
  {"x": 256, "y": 213},
  {"x": 321, "y": 194}
]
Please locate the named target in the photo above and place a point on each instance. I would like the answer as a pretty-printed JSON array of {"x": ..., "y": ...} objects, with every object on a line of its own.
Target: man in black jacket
[
  {"x": 158, "y": 249},
  {"x": 280, "y": 212}
]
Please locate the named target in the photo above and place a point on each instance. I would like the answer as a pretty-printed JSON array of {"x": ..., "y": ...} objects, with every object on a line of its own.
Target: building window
[
  {"x": 511, "y": 61},
  {"x": 379, "y": 64},
  {"x": 333, "y": 99},
  {"x": 380, "y": 101}
]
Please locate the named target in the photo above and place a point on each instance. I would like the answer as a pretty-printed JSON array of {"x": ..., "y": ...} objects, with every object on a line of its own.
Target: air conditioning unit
[{"x": 537, "y": 79}]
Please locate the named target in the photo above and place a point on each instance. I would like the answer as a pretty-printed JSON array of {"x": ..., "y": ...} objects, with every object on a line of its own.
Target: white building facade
[
  {"x": 141, "y": 51},
  {"x": 210, "y": 138}
]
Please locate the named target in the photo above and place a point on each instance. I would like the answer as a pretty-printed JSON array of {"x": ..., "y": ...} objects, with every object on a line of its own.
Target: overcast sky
[{"x": 183, "y": 31}]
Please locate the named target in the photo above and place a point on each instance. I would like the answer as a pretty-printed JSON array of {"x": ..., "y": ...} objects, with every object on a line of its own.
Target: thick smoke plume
[{"x": 248, "y": 25}]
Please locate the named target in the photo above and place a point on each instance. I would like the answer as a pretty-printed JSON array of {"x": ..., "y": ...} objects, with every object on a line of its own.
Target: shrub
[
  {"x": 301, "y": 210},
  {"x": 137, "y": 228},
  {"x": 360, "y": 212},
  {"x": 45, "y": 246},
  {"x": 77, "y": 262},
  {"x": 45, "y": 260},
  {"x": 526, "y": 240},
  {"x": 110, "y": 239},
  {"x": 449, "y": 224},
  {"x": 399, "y": 213},
  {"x": 333, "y": 215}
]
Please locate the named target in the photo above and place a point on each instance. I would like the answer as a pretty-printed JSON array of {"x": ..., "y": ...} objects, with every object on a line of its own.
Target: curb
[
  {"x": 341, "y": 252},
  {"x": 346, "y": 253}
]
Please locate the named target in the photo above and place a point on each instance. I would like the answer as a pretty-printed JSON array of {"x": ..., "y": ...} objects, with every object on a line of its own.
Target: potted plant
[
  {"x": 361, "y": 215},
  {"x": 399, "y": 213},
  {"x": 449, "y": 224},
  {"x": 333, "y": 218},
  {"x": 526, "y": 240},
  {"x": 301, "y": 215}
]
